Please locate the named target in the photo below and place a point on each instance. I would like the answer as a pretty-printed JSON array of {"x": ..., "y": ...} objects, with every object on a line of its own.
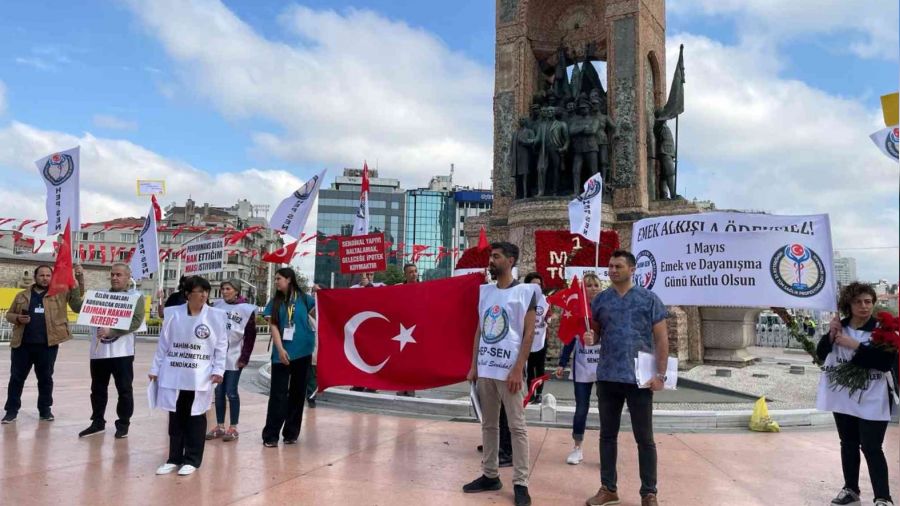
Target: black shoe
[
  {"x": 290, "y": 441},
  {"x": 121, "y": 431},
  {"x": 9, "y": 418},
  {"x": 90, "y": 431},
  {"x": 505, "y": 462},
  {"x": 522, "y": 497},
  {"x": 311, "y": 403},
  {"x": 270, "y": 444},
  {"x": 48, "y": 417},
  {"x": 482, "y": 484}
]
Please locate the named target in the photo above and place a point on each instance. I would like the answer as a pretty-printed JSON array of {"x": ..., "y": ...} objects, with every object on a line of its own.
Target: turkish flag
[
  {"x": 402, "y": 337},
  {"x": 156, "y": 209},
  {"x": 63, "y": 279},
  {"x": 282, "y": 255},
  {"x": 573, "y": 302},
  {"x": 483, "y": 243}
]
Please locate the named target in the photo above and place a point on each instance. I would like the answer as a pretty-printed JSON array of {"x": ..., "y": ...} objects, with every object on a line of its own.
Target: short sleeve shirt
[
  {"x": 626, "y": 327},
  {"x": 304, "y": 341}
]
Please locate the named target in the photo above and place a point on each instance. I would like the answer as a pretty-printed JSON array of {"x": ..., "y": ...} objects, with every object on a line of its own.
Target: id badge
[
  {"x": 288, "y": 334},
  {"x": 39, "y": 310}
]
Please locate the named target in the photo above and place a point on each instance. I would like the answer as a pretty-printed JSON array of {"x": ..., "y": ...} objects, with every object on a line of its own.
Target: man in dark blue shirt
[{"x": 630, "y": 319}]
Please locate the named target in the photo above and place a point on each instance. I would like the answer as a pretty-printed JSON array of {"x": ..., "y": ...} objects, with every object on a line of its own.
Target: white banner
[
  {"x": 361, "y": 220},
  {"x": 60, "y": 172},
  {"x": 147, "y": 187},
  {"x": 108, "y": 309},
  {"x": 145, "y": 260},
  {"x": 204, "y": 257},
  {"x": 736, "y": 259},
  {"x": 601, "y": 272},
  {"x": 292, "y": 213},
  {"x": 887, "y": 141},
  {"x": 584, "y": 211}
]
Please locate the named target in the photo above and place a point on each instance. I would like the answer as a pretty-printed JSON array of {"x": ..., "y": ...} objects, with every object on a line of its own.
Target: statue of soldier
[
  {"x": 665, "y": 153},
  {"x": 558, "y": 144},
  {"x": 583, "y": 133},
  {"x": 605, "y": 133},
  {"x": 520, "y": 156}
]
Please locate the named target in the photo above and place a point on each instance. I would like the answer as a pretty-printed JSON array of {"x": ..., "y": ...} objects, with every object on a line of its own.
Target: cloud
[
  {"x": 350, "y": 86},
  {"x": 35, "y": 62},
  {"x": 111, "y": 122},
  {"x": 871, "y": 25},
  {"x": 751, "y": 140}
]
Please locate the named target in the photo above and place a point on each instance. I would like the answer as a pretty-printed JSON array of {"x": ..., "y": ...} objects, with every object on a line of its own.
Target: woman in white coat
[{"x": 189, "y": 360}]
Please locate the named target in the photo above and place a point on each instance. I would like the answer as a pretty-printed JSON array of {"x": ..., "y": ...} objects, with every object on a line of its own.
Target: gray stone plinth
[{"x": 727, "y": 332}]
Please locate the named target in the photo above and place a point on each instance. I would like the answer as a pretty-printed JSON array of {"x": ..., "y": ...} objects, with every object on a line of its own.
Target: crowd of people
[{"x": 204, "y": 346}]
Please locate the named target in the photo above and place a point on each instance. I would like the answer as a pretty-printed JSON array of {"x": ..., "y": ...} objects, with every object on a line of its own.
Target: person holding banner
[
  {"x": 241, "y": 327},
  {"x": 39, "y": 326},
  {"x": 861, "y": 417},
  {"x": 410, "y": 275},
  {"x": 538, "y": 355},
  {"x": 112, "y": 354},
  {"x": 505, "y": 334},
  {"x": 294, "y": 342},
  {"x": 584, "y": 375},
  {"x": 630, "y": 319},
  {"x": 189, "y": 360}
]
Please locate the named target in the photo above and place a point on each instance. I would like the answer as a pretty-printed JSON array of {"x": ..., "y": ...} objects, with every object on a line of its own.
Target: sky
[{"x": 247, "y": 99}]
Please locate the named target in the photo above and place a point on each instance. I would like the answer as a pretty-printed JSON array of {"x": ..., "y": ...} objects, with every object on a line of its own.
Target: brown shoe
[
  {"x": 649, "y": 500},
  {"x": 604, "y": 497}
]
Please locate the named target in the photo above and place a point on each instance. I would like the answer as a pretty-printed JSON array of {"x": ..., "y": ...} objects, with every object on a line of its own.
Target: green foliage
[{"x": 392, "y": 276}]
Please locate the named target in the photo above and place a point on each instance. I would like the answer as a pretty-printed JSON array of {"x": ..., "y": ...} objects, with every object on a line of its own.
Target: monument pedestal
[{"x": 727, "y": 332}]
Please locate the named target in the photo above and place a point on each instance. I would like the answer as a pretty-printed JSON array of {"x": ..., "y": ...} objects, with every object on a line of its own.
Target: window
[
  {"x": 128, "y": 237},
  {"x": 84, "y": 236}
]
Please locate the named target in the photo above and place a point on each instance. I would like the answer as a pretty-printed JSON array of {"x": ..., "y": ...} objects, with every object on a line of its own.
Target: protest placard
[
  {"x": 362, "y": 253},
  {"x": 108, "y": 309},
  {"x": 204, "y": 257}
]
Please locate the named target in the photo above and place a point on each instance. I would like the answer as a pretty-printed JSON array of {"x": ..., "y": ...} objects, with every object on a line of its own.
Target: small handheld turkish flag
[
  {"x": 282, "y": 255},
  {"x": 483, "y": 243},
  {"x": 574, "y": 306},
  {"x": 402, "y": 337}
]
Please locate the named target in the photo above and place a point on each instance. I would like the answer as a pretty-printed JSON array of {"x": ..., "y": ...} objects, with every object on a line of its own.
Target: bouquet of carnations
[{"x": 885, "y": 337}]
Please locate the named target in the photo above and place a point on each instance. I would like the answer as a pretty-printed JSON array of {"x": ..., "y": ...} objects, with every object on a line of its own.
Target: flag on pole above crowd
[
  {"x": 282, "y": 255},
  {"x": 361, "y": 222},
  {"x": 291, "y": 215},
  {"x": 145, "y": 259},
  {"x": 584, "y": 211},
  {"x": 675, "y": 105},
  {"x": 60, "y": 172},
  {"x": 63, "y": 279},
  {"x": 888, "y": 140}
]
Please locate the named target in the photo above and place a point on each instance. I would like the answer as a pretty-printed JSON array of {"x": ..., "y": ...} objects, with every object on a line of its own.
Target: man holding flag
[
  {"x": 505, "y": 333},
  {"x": 40, "y": 324}
]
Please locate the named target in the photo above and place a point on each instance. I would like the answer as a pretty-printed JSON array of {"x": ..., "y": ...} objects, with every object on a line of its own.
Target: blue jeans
[
  {"x": 228, "y": 388},
  {"x": 582, "y": 405}
]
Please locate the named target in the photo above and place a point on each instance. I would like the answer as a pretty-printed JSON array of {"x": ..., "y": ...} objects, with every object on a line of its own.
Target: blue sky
[{"x": 169, "y": 86}]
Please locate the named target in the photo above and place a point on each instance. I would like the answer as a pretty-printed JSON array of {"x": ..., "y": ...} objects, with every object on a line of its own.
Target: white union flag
[
  {"x": 291, "y": 215},
  {"x": 60, "y": 172}
]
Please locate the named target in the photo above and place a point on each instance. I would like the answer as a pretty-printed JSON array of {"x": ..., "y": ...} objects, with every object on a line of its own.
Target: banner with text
[
  {"x": 736, "y": 259},
  {"x": 108, "y": 309},
  {"x": 362, "y": 253},
  {"x": 204, "y": 257},
  {"x": 600, "y": 272}
]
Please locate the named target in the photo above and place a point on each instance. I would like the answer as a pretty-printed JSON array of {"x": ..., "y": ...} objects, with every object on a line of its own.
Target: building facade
[
  {"x": 844, "y": 269},
  {"x": 337, "y": 208},
  {"x": 429, "y": 226},
  {"x": 469, "y": 203}
]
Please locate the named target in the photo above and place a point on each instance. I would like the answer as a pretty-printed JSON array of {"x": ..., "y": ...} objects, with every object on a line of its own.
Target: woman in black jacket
[{"x": 861, "y": 418}]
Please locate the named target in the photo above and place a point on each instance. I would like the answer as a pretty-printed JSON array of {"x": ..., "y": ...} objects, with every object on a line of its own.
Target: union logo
[
  {"x": 201, "y": 331},
  {"x": 797, "y": 270},
  {"x": 58, "y": 169},
  {"x": 306, "y": 190},
  {"x": 593, "y": 188},
  {"x": 891, "y": 141},
  {"x": 645, "y": 270},
  {"x": 494, "y": 325}
]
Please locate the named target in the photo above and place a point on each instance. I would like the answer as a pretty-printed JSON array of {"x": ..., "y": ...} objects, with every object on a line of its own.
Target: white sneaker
[
  {"x": 186, "y": 470},
  {"x": 166, "y": 468},
  {"x": 575, "y": 457},
  {"x": 883, "y": 502}
]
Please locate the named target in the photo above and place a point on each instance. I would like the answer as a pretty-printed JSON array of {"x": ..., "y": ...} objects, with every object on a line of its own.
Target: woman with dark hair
[
  {"x": 861, "y": 417},
  {"x": 189, "y": 360},
  {"x": 538, "y": 356},
  {"x": 293, "y": 342}
]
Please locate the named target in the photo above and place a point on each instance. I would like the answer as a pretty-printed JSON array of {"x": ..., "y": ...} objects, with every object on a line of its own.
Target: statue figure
[
  {"x": 665, "y": 153},
  {"x": 558, "y": 144},
  {"x": 605, "y": 133},
  {"x": 520, "y": 156},
  {"x": 583, "y": 133},
  {"x": 570, "y": 110},
  {"x": 652, "y": 182}
]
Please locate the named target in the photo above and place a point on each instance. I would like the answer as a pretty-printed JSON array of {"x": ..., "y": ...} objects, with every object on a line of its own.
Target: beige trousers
[{"x": 491, "y": 393}]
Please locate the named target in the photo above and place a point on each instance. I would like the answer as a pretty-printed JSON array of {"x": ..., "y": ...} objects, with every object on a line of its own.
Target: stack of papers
[{"x": 645, "y": 370}]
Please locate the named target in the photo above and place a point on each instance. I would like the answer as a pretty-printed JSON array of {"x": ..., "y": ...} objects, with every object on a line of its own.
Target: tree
[{"x": 392, "y": 276}]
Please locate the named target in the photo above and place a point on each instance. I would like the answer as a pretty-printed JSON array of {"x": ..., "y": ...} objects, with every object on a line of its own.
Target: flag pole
[{"x": 676, "y": 156}]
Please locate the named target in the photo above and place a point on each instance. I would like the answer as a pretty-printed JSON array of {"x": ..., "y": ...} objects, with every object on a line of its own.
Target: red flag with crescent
[
  {"x": 282, "y": 255},
  {"x": 574, "y": 311}
]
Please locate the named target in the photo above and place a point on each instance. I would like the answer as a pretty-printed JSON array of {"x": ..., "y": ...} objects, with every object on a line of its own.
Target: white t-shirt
[
  {"x": 191, "y": 349},
  {"x": 540, "y": 323},
  {"x": 238, "y": 315},
  {"x": 584, "y": 366},
  {"x": 868, "y": 404},
  {"x": 502, "y": 326}
]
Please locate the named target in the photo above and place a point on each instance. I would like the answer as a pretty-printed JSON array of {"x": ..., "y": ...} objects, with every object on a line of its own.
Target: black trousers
[
  {"x": 122, "y": 371},
  {"x": 187, "y": 433},
  {"x": 535, "y": 368},
  {"x": 856, "y": 433},
  {"x": 287, "y": 395},
  {"x": 43, "y": 358},
  {"x": 611, "y": 397}
]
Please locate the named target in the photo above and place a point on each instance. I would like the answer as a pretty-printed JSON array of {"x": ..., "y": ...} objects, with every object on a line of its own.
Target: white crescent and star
[{"x": 404, "y": 337}]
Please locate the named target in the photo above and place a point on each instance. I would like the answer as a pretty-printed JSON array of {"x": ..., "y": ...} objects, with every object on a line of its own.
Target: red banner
[
  {"x": 362, "y": 253},
  {"x": 553, "y": 247}
]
